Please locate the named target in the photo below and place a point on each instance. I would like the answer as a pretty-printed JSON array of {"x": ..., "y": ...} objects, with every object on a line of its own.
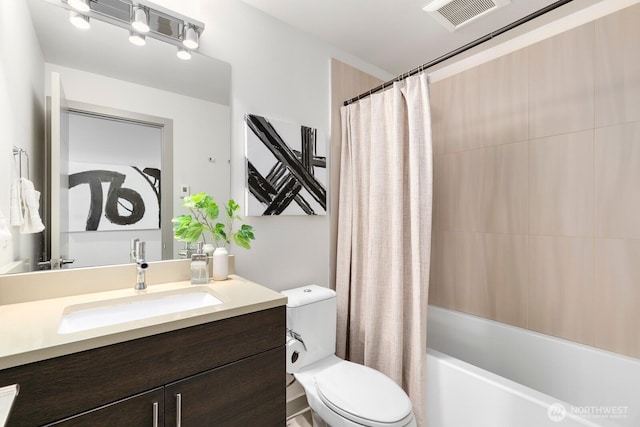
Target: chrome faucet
[
  {"x": 132, "y": 249},
  {"x": 141, "y": 264}
]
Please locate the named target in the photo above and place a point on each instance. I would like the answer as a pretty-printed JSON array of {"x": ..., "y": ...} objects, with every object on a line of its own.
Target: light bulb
[
  {"x": 183, "y": 54},
  {"x": 140, "y": 20},
  {"x": 190, "y": 39},
  {"x": 78, "y": 20},
  {"x": 137, "y": 39}
]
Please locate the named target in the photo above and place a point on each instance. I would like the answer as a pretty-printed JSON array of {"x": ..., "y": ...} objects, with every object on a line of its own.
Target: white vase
[
  {"x": 220, "y": 269},
  {"x": 208, "y": 249}
]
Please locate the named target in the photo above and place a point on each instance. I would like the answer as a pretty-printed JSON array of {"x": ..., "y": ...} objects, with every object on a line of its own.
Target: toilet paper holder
[
  {"x": 296, "y": 350},
  {"x": 293, "y": 334}
]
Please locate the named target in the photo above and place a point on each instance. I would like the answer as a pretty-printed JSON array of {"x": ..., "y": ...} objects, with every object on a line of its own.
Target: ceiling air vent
[{"x": 454, "y": 14}]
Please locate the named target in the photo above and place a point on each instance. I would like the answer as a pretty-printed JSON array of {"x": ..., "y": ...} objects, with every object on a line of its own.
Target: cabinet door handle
[
  {"x": 155, "y": 414},
  {"x": 178, "y": 409}
]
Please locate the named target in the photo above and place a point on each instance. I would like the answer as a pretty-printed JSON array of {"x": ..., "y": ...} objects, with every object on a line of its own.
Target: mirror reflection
[{"x": 137, "y": 127}]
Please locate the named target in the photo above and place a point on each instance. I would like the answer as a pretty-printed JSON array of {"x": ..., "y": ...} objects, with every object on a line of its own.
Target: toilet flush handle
[{"x": 293, "y": 334}]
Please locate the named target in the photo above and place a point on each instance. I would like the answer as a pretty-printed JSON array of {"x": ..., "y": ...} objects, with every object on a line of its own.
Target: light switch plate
[{"x": 184, "y": 191}]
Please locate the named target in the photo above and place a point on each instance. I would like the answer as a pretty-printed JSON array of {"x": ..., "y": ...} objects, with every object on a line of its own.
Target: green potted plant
[{"x": 203, "y": 217}]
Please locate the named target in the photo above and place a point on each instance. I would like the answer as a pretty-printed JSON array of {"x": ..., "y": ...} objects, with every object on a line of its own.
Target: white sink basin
[
  {"x": 7, "y": 395},
  {"x": 81, "y": 317}
]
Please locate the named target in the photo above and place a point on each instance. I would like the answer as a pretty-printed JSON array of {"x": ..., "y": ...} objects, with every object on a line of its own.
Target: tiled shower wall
[{"x": 537, "y": 187}]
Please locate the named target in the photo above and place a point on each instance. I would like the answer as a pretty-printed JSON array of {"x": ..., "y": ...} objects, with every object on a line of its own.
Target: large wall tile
[
  {"x": 436, "y": 256},
  {"x": 561, "y": 185},
  {"x": 492, "y": 189},
  {"x": 492, "y": 276},
  {"x": 466, "y": 183},
  {"x": 438, "y": 93},
  {"x": 461, "y": 112},
  {"x": 471, "y": 117},
  {"x": 446, "y": 97},
  {"x": 617, "y": 181},
  {"x": 617, "y": 67},
  {"x": 617, "y": 284},
  {"x": 503, "y": 100},
  {"x": 486, "y": 105},
  {"x": 451, "y": 110},
  {"x": 442, "y": 286},
  {"x": 504, "y": 207},
  {"x": 536, "y": 185},
  {"x": 561, "y": 83},
  {"x": 561, "y": 295},
  {"x": 439, "y": 181},
  {"x": 472, "y": 294},
  {"x": 444, "y": 178}
]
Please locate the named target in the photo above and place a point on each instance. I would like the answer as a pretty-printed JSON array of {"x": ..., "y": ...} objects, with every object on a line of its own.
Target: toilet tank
[{"x": 311, "y": 313}]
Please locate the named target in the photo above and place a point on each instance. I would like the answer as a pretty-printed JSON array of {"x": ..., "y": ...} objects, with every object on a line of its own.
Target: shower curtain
[{"x": 384, "y": 234}]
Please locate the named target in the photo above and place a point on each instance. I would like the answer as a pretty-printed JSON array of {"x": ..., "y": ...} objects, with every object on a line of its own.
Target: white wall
[
  {"x": 277, "y": 72},
  {"x": 280, "y": 73},
  {"x": 21, "y": 111},
  {"x": 200, "y": 128}
]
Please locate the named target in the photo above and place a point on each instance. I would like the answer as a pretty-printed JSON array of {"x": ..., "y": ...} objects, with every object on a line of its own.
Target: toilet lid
[{"x": 363, "y": 395}]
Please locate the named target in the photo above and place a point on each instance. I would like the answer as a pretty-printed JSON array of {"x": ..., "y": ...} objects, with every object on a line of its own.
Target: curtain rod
[{"x": 459, "y": 50}]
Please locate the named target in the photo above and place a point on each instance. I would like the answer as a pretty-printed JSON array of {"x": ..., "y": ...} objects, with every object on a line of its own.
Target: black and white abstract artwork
[
  {"x": 113, "y": 197},
  {"x": 286, "y": 168}
]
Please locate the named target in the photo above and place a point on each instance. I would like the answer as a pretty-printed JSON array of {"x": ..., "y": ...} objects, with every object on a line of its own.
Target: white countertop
[{"x": 29, "y": 330}]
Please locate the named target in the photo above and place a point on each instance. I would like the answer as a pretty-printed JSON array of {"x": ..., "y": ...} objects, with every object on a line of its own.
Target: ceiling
[{"x": 394, "y": 35}]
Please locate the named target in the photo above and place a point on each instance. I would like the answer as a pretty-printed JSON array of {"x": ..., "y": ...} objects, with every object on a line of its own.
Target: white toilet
[{"x": 339, "y": 392}]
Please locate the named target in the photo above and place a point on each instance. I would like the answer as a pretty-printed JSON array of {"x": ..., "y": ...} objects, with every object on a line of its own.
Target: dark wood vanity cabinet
[
  {"x": 145, "y": 409},
  {"x": 224, "y": 373},
  {"x": 244, "y": 395}
]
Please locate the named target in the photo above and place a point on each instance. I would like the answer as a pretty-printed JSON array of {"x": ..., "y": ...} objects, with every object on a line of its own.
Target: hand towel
[
  {"x": 15, "y": 206},
  {"x": 31, "y": 204}
]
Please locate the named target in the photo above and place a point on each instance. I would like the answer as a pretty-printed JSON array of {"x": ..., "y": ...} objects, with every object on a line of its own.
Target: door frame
[{"x": 166, "y": 183}]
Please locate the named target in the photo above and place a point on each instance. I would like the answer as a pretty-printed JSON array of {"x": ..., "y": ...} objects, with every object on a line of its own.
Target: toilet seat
[{"x": 363, "y": 395}]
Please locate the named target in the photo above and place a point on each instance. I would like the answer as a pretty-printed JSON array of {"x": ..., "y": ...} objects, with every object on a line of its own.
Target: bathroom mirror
[{"x": 104, "y": 75}]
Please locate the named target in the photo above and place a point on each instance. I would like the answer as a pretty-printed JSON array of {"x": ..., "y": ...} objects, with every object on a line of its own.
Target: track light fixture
[
  {"x": 79, "y": 5},
  {"x": 78, "y": 20},
  {"x": 183, "y": 53},
  {"x": 190, "y": 37},
  {"x": 141, "y": 18},
  {"x": 137, "y": 38}
]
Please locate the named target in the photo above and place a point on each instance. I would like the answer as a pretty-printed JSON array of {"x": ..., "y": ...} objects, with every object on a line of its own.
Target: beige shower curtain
[{"x": 384, "y": 234}]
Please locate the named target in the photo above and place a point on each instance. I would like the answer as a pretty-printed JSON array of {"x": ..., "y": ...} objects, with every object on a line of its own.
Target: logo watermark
[{"x": 558, "y": 412}]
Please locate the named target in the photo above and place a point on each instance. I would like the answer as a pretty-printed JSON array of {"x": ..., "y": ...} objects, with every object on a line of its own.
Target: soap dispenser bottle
[{"x": 199, "y": 270}]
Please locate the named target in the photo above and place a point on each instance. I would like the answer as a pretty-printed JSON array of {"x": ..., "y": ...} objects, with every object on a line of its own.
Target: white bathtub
[{"x": 482, "y": 373}]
